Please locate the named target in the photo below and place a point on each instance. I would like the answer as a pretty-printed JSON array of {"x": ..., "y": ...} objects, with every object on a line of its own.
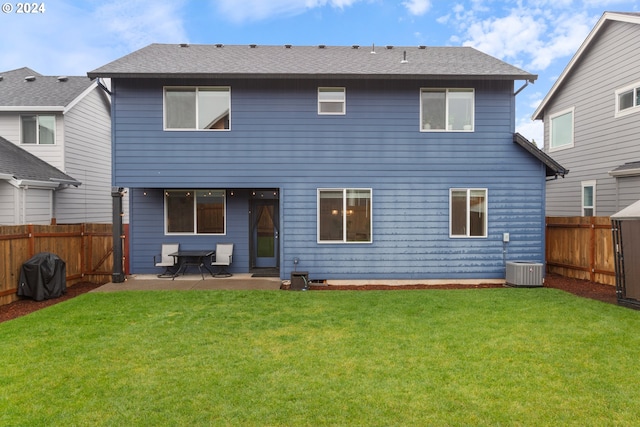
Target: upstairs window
[
  {"x": 468, "y": 212},
  {"x": 331, "y": 100},
  {"x": 561, "y": 130},
  {"x": 344, "y": 215},
  {"x": 38, "y": 129},
  {"x": 195, "y": 211},
  {"x": 447, "y": 110},
  {"x": 199, "y": 108},
  {"x": 628, "y": 99}
]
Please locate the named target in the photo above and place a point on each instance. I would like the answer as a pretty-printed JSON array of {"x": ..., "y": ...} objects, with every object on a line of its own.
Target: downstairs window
[
  {"x": 344, "y": 215},
  {"x": 195, "y": 211},
  {"x": 468, "y": 212}
]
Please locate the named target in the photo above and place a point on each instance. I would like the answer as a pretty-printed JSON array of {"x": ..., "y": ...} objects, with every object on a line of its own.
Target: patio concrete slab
[
  {"x": 149, "y": 282},
  {"x": 244, "y": 281}
]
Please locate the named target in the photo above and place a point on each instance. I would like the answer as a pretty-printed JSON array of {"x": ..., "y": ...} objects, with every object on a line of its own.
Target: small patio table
[{"x": 191, "y": 258}]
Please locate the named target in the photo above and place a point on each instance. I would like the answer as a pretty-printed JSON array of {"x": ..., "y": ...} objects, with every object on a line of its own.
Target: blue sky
[{"x": 71, "y": 37}]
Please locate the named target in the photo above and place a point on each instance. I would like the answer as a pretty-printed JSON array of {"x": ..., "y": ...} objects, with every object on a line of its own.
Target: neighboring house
[
  {"x": 346, "y": 162},
  {"x": 65, "y": 121},
  {"x": 592, "y": 122},
  {"x": 28, "y": 186}
]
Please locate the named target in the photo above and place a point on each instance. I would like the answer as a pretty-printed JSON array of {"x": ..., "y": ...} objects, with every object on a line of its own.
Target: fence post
[{"x": 32, "y": 241}]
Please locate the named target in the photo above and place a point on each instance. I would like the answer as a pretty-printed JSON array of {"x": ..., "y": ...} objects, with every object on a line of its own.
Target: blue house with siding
[{"x": 348, "y": 162}]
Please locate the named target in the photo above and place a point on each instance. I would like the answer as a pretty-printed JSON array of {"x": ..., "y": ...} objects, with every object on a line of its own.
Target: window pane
[
  {"x": 210, "y": 211},
  {"x": 29, "y": 130},
  {"x": 266, "y": 233},
  {"x": 588, "y": 211},
  {"x": 330, "y": 94},
  {"x": 477, "y": 212},
  {"x": 561, "y": 130},
  {"x": 358, "y": 215},
  {"x": 47, "y": 129},
  {"x": 460, "y": 109},
  {"x": 180, "y": 105},
  {"x": 625, "y": 100},
  {"x": 433, "y": 109},
  {"x": 331, "y": 107},
  {"x": 213, "y": 108},
  {"x": 588, "y": 196},
  {"x": 179, "y": 211},
  {"x": 637, "y": 96},
  {"x": 331, "y": 215},
  {"x": 459, "y": 213}
]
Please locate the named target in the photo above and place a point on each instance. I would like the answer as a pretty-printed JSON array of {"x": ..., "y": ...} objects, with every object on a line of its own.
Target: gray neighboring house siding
[
  {"x": 279, "y": 147},
  {"x": 82, "y": 146},
  {"x": 27, "y": 186},
  {"x": 607, "y": 61},
  {"x": 88, "y": 157}
]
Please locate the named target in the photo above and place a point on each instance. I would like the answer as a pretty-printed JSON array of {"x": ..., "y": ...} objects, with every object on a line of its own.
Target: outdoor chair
[
  {"x": 167, "y": 261},
  {"x": 223, "y": 258}
]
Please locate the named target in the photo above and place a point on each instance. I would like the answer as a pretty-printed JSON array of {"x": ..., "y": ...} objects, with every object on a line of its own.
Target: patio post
[{"x": 118, "y": 270}]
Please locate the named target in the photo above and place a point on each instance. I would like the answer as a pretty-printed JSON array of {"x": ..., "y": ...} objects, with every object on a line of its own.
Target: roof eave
[
  {"x": 553, "y": 168},
  {"x": 509, "y": 77},
  {"x": 39, "y": 108},
  {"x": 624, "y": 173},
  {"x": 34, "y": 183},
  {"x": 62, "y": 181}
]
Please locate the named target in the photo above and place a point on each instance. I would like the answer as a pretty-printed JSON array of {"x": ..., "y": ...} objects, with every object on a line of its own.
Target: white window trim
[
  {"x": 344, "y": 240},
  {"x": 37, "y": 143},
  {"x": 468, "y": 225},
  {"x": 571, "y": 110},
  {"x": 446, "y": 109},
  {"x": 343, "y": 101},
  {"x": 195, "y": 214},
  {"x": 584, "y": 184},
  {"x": 636, "y": 108},
  {"x": 196, "y": 88}
]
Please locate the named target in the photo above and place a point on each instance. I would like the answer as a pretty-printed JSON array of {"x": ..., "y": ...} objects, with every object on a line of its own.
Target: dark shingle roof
[
  {"x": 43, "y": 91},
  {"x": 257, "y": 61},
  {"x": 21, "y": 164},
  {"x": 553, "y": 168}
]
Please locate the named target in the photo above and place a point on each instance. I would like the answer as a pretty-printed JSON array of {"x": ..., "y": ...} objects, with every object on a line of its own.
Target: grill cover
[{"x": 44, "y": 276}]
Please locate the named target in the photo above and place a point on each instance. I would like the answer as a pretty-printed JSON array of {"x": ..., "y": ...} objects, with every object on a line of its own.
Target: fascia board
[{"x": 31, "y": 108}]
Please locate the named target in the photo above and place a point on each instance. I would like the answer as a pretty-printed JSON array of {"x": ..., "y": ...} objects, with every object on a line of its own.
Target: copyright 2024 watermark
[{"x": 23, "y": 8}]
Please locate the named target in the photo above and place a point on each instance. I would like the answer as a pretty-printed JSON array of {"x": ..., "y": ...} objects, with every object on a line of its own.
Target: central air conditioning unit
[{"x": 524, "y": 274}]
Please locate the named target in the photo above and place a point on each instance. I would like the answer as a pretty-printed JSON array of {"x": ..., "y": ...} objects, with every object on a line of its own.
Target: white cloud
[
  {"x": 86, "y": 37},
  {"x": 533, "y": 34},
  {"x": 139, "y": 23},
  {"x": 507, "y": 37},
  {"x": 255, "y": 10},
  {"x": 569, "y": 31},
  {"x": 417, "y": 7},
  {"x": 532, "y": 130}
]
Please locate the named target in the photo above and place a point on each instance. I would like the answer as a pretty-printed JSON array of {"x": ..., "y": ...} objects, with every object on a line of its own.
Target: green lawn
[{"x": 531, "y": 357}]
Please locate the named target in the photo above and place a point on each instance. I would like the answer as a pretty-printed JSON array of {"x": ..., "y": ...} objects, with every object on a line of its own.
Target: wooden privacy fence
[
  {"x": 87, "y": 250},
  {"x": 581, "y": 247}
]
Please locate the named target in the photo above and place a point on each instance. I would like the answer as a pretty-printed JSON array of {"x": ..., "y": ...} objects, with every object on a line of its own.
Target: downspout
[
  {"x": 526, "y": 83},
  {"x": 103, "y": 86}
]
